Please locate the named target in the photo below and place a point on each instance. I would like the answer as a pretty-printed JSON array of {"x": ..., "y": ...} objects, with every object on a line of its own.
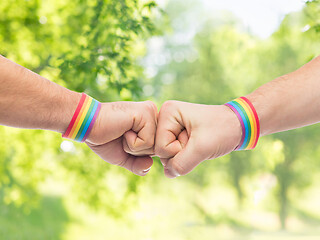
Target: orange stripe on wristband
[
  {"x": 246, "y": 106},
  {"x": 249, "y": 120},
  {"x": 84, "y": 113},
  {"x": 78, "y": 117},
  {"x": 256, "y": 120},
  {"x": 83, "y": 119}
]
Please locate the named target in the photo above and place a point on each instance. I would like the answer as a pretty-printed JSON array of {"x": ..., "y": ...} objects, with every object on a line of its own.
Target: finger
[
  {"x": 113, "y": 153},
  {"x": 143, "y": 140},
  {"x": 140, "y": 165},
  {"x": 142, "y": 135},
  {"x": 167, "y": 137},
  {"x": 183, "y": 138},
  {"x": 183, "y": 162},
  {"x": 127, "y": 149},
  {"x": 164, "y": 161},
  {"x": 174, "y": 143}
]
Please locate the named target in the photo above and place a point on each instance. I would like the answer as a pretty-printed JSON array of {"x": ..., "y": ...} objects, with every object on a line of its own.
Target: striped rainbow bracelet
[
  {"x": 249, "y": 121},
  {"x": 83, "y": 119}
]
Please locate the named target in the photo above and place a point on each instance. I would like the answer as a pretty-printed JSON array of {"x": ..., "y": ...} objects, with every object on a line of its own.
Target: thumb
[
  {"x": 140, "y": 139},
  {"x": 184, "y": 161}
]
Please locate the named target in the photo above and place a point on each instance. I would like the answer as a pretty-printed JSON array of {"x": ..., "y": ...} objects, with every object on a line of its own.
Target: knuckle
[
  {"x": 127, "y": 145},
  {"x": 131, "y": 146},
  {"x": 160, "y": 150},
  {"x": 168, "y": 104},
  {"x": 149, "y": 143},
  {"x": 127, "y": 150},
  {"x": 121, "y": 163},
  {"x": 125, "y": 163},
  {"x": 151, "y": 105},
  {"x": 177, "y": 167}
]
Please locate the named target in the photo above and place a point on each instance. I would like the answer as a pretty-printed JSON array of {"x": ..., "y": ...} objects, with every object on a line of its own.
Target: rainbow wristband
[
  {"x": 249, "y": 121},
  {"x": 83, "y": 119}
]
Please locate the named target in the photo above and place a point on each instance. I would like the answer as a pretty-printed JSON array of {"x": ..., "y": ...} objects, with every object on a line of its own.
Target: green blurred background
[{"x": 137, "y": 50}]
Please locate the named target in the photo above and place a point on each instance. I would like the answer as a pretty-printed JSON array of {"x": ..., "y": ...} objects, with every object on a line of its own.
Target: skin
[
  {"x": 183, "y": 134},
  {"x": 123, "y": 133},
  {"x": 188, "y": 134}
]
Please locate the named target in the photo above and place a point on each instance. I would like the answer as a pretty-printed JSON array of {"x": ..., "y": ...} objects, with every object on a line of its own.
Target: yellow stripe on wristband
[
  {"x": 78, "y": 117},
  {"x": 249, "y": 121},
  {"x": 73, "y": 136},
  {"x": 83, "y": 119},
  {"x": 252, "y": 121}
]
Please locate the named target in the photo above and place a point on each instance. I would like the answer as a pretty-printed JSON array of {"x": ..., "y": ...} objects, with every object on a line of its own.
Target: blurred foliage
[
  {"x": 47, "y": 185},
  {"x": 89, "y": 46},
  {"x": 97, "y": 41},
  {"x": 224, "y": 62}
]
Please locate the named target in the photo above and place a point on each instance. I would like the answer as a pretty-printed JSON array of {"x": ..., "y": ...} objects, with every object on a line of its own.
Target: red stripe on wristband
[
  {"x": 76, "y": 113},
  {"x": 249, "y": 120},
  {"x": 83, "y": 119},
  {"x": 257, "y": 121}
]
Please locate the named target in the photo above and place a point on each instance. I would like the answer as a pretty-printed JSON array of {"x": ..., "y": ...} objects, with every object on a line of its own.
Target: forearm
[
  {"x": 28, "y": 100},
  {"x": 290, "y": 101}
]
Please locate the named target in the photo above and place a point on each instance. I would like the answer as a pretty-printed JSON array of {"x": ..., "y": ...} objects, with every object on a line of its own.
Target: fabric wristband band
[
  {"x": 83, "y": 119},
  {"x": 249, "y": 121}
]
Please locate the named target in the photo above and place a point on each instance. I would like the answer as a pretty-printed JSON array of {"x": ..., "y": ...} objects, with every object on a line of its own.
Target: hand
[
  {"x": 124, "y": 135},
  {"x": 188, "y": 134}
]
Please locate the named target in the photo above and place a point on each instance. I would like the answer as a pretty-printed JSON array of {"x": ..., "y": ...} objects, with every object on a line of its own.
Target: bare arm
[
  {"x": 28, "y": 100},
  {"x": 188, "y": 134},
  {"x": 290, "y": 101}
]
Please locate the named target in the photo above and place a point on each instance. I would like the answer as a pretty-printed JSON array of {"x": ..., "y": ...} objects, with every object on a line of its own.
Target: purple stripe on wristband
[
  {"x": 241, "y": 122},
  {"x": 92, "y": 123}
]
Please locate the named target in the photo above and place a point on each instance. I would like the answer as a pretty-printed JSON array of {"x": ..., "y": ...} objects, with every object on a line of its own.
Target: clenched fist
[
  {"x": 188, "y": 134},
  {"x": 124, "y": 135}
]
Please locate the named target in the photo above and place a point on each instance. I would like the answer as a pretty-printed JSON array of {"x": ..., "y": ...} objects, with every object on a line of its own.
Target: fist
[
  {"x": 124, "y": 135},
  {"x": 188, "y": 134}
]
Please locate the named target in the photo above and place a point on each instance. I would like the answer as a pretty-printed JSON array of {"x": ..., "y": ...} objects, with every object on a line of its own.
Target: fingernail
[
  {"x": 174, "y": 173},
  {"x": 170, "y": 173},
  {"x": 146, "y": 170}
]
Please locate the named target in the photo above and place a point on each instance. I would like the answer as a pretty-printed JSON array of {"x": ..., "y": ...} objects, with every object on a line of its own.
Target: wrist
[
  {"x": 83, "y": 119},
  {"x": 66, "y": 106},
  {"x": 114, "y": 119},
  {"x": 272, "y": 102},
  {"x": 234, "y": 127},
  {"x": 266, "y": 109},
  {"x": 249, "y": 121}
]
